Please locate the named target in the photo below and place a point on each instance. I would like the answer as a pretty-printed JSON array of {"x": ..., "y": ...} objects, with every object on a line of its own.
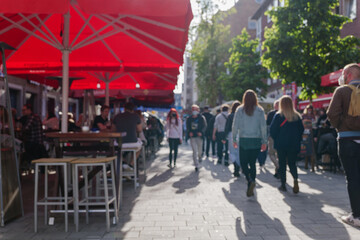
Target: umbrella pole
[
  {"x": 65, "y": 71},
  {"x": 107, "y": 93}
]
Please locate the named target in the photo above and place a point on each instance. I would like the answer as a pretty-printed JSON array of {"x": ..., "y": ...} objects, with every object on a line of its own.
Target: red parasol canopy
[{"x": 91, "y": 35}]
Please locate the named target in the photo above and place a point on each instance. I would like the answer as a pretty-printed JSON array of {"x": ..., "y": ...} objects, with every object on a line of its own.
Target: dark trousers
[
  {"x": 206, "y": 145},
  {"x": 262, "y": 157},
  {"x": 349, "y": 152},
  {"x": 289, "y": 157},
  {"x": 247, "y": 161},
  {"x": 220, "y": 147},
  {"x": 173, "y": 144},
  {"x": 34, "y": 151}
]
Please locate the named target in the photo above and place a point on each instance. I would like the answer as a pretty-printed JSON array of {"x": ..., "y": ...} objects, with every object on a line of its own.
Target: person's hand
[
  {"x": 315, "y": 139},
  {"x": 191, "y": 134},
  {"x": 180, "y": 141},
  {"x": 199, "y": 134},
  {"x": 263, "y": 147},
  {"x": 223, "y": 141},
  {"x": 235, "y": 145},
  {"x": 214, "y": 138}
]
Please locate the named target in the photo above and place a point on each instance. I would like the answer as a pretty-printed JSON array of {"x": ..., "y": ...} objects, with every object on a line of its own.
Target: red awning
[
  {"x": 135, "y": 35},
  {"x": 125, "y": 80},
  {"x": 331, "y": 79},
  {"x": 322, "y": 101}
]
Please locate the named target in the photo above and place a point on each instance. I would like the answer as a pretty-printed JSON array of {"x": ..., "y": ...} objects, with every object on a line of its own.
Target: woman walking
[
  {"x": 286, "y": 129},
  {"x": 249, "y": 124},
  {"x": 174, "y": 134}
]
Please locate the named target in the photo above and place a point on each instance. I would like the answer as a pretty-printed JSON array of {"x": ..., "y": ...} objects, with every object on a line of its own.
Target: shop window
[{"x": 350, "y": 8}]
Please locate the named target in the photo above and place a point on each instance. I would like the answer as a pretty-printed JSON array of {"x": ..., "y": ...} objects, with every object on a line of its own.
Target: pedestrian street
[{"x": 181, "y": 204}]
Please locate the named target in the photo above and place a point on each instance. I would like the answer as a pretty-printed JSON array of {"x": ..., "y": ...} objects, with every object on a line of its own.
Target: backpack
[{"x": 354, "y": 106}]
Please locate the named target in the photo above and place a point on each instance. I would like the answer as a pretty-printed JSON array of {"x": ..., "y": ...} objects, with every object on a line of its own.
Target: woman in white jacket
[{"x": 174, "y": 134}]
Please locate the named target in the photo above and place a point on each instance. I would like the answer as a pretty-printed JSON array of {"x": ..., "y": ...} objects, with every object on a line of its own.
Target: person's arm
[
  {"x": 180, "y": 129},
  {"x": 235, "y": 127},
  {"x": 263, "y": 131},
  {"x": 215, "y": 128},
  {"x": 101, "y": 126},
  {"x": 188, "y": 133},
  {"x": 275, "y": 127},
  {"x": 138, "y": 128},
  {"x": 335, "y": 109}
]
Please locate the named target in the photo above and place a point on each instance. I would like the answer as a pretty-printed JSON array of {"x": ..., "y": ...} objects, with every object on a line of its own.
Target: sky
[{"x": 223, "y": 5}]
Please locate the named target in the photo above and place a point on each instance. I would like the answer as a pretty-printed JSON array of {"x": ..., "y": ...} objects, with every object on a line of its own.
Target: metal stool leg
[
  {"x": 76, "y": 197},
  {"x": 135, "y": 170},
  {"x": 106, "y": 191},
  {"x": 66, "y": 200},
  {"x": 46, "y": 194},
  {"x": 86, "y": 192},
  {"x": 114, "y": 192},
  {"x": 36, "y": 191}
]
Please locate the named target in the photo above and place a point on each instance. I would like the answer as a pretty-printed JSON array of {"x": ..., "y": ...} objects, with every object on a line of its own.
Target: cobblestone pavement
[{"x": 211, "y": 204}]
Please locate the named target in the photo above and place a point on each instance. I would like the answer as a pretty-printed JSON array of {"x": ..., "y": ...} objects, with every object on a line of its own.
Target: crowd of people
[
  {"x": 244, "y": 134},
  {"x": 241, "y": 133}
]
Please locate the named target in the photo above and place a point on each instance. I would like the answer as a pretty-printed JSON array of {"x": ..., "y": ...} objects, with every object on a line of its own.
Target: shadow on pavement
[
  {"x": 304, "y": 206},
  {"x": 187, "y": 182},
  {"x": 252, "y": 221},
  {"x": 159, "y": 178}
]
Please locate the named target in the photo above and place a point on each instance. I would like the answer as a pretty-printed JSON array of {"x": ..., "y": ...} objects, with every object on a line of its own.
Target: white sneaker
[
  {"x": 127, "y": 167},
  {"x": 351, "y": 220}
]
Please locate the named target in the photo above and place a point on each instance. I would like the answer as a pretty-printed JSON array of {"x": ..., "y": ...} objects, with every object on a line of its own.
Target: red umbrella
[{"x": 102, "y": 35}]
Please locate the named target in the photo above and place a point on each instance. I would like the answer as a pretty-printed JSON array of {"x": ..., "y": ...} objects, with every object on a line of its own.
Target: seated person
[
  {"x": 128, "y": 122},
  {"x": 102, "y": 122}
]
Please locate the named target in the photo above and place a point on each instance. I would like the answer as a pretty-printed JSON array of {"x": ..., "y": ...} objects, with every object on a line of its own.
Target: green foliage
[
  {"x": 245, "y": 69},
  {"x": 210, "y": 51},
  {"x": 304, "y": 44}
]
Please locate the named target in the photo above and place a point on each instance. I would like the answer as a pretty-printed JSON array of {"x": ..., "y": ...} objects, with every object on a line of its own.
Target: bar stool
[
  {"x": 133, "y": 173},
  {"x": 89, "y": 200},
  {"x": 51, "y": 201}
]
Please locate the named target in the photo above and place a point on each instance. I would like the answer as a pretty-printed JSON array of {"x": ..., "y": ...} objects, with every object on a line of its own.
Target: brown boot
[{"x": 296, "y": 186}]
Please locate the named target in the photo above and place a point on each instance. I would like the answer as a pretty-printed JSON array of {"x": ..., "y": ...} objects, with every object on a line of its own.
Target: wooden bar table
[{"x": 83, "y": 144}]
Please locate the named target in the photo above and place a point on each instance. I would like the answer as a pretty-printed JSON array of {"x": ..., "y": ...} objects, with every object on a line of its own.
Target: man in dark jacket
[
  {"x": 195, "y": 127},
  {"x": 33, "y": 135},
  {"x": 348, "y": 128}
]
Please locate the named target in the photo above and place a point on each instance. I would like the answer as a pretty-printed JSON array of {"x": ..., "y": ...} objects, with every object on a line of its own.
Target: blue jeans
[{"x": 349, "y": 153}]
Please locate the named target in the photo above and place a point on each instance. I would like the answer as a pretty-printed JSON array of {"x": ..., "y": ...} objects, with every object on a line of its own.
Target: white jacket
[{"x": 173, "y": 130}]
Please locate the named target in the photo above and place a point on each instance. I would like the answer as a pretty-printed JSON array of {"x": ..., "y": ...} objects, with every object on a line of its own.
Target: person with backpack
[
  {"x": 344, "y": 115},
  {"x": 286, "y": 129},
  {"x": 219, "y": 134}
]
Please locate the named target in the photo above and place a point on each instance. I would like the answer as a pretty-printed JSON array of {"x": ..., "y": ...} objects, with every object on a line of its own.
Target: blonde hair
[{"x": 286, "y": 109}]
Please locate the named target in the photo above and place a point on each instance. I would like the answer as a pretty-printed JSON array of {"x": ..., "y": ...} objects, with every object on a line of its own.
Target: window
[
  {"x": 350, "y": 8},
  {"x": 269, "y": 81},
  {"x": 282, "y": 3},
  {"x": 258, "y": 29},
  {"x": 251, "y": 24},
  {"x": 276, "y": 3},
  {"x": 268, "y": 16}
]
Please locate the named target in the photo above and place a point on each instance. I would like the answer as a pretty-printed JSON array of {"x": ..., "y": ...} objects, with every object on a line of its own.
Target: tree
[
  {"x": 245, "y": 69},
  {"x": 304, "y": 43},
  {"x": 210, "y": 51}
]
